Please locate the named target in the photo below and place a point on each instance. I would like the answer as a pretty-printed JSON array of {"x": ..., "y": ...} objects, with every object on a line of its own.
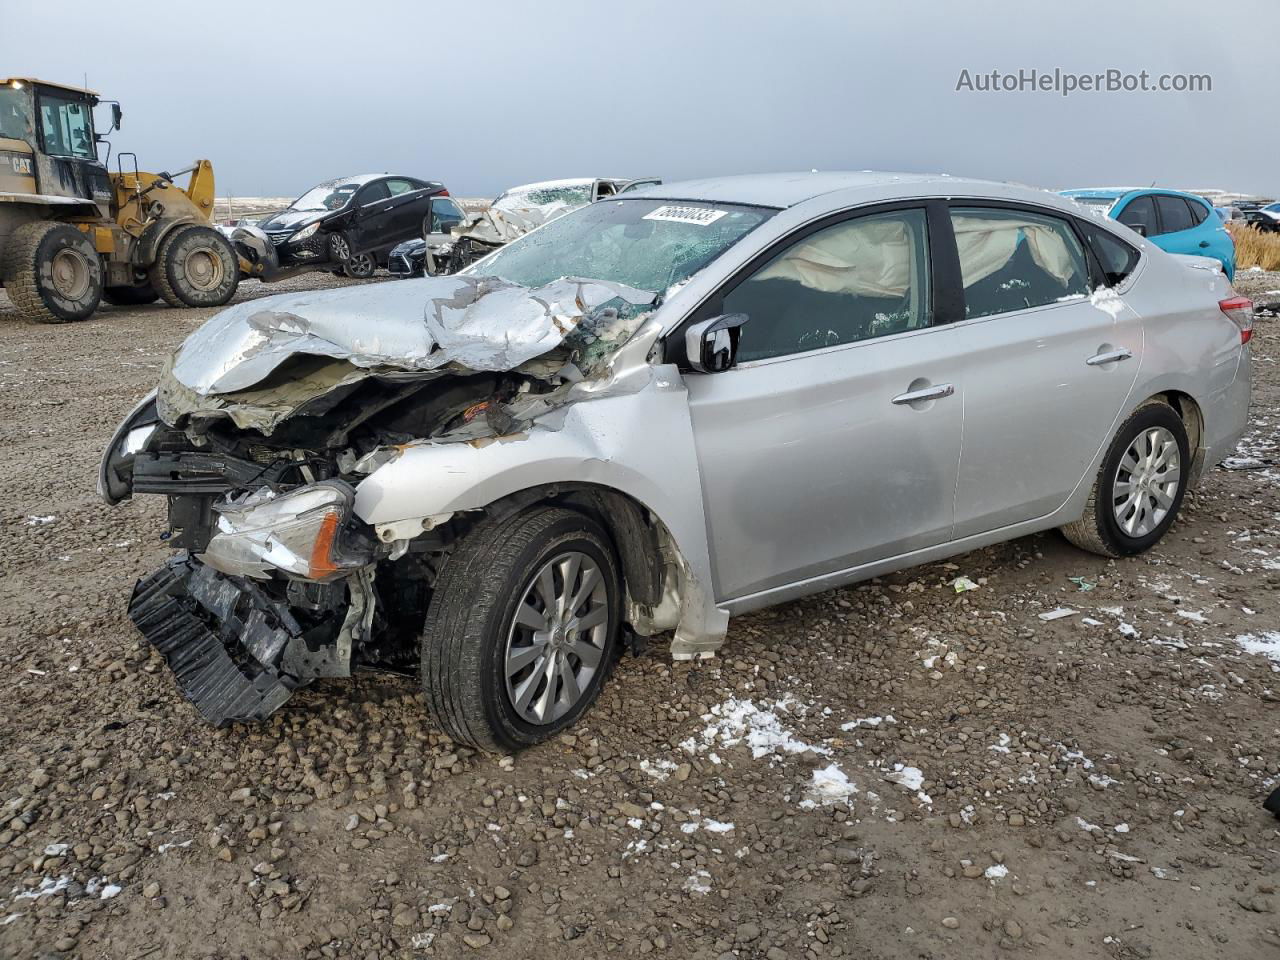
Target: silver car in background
[{"x": 657, "y": 412}]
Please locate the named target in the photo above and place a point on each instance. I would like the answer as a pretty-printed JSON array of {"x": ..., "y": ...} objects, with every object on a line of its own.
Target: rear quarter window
[{"x": 1116, "y": 258}]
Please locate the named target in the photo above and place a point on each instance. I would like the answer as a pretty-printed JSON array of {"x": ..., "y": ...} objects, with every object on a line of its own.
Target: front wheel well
[{"x": 639, "y": 537}]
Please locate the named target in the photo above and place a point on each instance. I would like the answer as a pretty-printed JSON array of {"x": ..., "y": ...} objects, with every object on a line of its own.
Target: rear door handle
[
  {"x": 1112, "y": 356},
  {"x": 928, "y": 393}
]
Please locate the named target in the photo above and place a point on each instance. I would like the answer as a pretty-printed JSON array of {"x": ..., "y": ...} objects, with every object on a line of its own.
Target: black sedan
[{"x": 348, "y": 225}]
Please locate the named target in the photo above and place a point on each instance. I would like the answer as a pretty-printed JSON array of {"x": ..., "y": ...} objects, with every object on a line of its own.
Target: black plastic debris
[
  {"x": 1272, "y": 803},
  {"x": 176, "y": 606}
]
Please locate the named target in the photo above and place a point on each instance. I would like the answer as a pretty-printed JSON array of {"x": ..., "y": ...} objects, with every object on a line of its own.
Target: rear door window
[
  {"x": 1015, "y": 259},
  {"x": 858, "y": 279},
  {"x": 1174, "y": 215},
  {"x": 397, "y": 186},
  {"x": 372, "y": 193},
  {"x": 1140, "y": 212}
]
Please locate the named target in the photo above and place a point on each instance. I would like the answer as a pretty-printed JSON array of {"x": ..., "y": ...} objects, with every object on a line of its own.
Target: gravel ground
[{"x": 893, "y": 770}]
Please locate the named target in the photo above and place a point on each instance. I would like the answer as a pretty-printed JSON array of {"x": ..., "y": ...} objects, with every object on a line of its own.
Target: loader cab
[{"x": 57, "y": 122}]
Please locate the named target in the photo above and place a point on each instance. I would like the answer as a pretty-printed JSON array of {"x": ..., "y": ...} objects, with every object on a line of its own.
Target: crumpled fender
[{"x": 639, "y": 443}]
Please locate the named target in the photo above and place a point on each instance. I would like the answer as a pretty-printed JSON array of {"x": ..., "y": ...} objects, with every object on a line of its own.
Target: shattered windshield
[
  {"x": 327, "y": 196},
  {"x": 570, "y": 194},
  {"x": 646, "y": 244}
]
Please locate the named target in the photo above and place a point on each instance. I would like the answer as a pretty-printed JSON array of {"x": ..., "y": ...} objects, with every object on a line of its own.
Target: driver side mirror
[
  {"x": 116, "y": 116},
  {"x": 711, "y": 345},
  {"x": 1139, "y": 228}
]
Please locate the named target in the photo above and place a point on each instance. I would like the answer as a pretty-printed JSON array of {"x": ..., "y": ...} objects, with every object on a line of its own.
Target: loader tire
[
  {"x": 196, "y": 266},
  {"x": 51, "y": 272},
  {"x": 130, "y": 296}
]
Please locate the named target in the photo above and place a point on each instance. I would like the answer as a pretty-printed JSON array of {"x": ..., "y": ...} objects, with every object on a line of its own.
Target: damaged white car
[
  {"x": 518, "y": 211},
  {"x": 656, "y": 412}
]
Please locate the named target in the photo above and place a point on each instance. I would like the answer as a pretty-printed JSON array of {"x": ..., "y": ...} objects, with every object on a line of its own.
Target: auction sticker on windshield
[{"x": 701, "y": 216}]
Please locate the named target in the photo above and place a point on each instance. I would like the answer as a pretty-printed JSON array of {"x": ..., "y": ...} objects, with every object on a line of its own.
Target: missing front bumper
[
  {"x": 239, "y": 653},
  {"x": 176, "y": 607}
]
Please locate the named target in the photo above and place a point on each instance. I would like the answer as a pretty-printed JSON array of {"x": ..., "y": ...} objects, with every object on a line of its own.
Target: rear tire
[
  {"x": 1139, "y": 487},
  {"x": 51, "y": 272},
  {"x": 130, "y": 296},
  {"x": 487, "y": 669},
  {"x": 196, "y": 266}
]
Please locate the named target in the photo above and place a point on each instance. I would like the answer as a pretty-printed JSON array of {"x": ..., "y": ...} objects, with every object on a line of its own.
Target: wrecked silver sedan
[{"x": 655, "y": 412}]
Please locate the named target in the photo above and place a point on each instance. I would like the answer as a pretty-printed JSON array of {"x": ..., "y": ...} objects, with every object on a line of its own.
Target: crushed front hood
[{"x": 429, "y": 326}]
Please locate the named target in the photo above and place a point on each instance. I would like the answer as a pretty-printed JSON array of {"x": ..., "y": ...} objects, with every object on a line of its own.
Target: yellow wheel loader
[{"x": 73, "y": 234}]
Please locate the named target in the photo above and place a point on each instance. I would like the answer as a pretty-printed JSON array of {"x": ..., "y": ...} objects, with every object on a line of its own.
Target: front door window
[{"x": 67, "y": 127}]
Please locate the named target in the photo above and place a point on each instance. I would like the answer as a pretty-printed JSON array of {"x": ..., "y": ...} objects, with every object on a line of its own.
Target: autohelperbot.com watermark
[{"x": 1066, "y": 82}]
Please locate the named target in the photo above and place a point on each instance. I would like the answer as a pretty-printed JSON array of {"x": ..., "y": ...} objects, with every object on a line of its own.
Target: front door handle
[
  {"x": 1203, "y": 244},
  {"x": 927, "y": 393},
  {"x": 1111, "y": 356}
]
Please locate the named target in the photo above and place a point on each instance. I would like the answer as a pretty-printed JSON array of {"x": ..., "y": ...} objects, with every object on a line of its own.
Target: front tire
[
  {"x": 51, "y": 272},
  {"x": 196, "y": 266},
  {"x": 1139, "y": 487},
  {"x": 522, "y": 628},
  {"x": 361, "y": 267}
]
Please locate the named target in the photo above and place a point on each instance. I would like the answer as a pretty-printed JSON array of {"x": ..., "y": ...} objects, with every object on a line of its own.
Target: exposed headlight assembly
[
  {"x": 300, "y": 534},
  {"x": 305, "y": 233}
]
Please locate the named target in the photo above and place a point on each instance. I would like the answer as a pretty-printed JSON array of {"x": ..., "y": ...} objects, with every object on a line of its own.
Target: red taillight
[
  {"x": 1240, "y": 311},
  {"x": 443, "y": 193}
]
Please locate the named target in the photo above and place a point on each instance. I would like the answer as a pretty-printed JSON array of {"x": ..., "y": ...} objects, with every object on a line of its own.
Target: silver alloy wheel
[
  {"x": 1146, "y": 482},
  {"x": 69, "y": 271},
  {"x": 341, "y": 249},
  {"x": 557, "y": 638}
]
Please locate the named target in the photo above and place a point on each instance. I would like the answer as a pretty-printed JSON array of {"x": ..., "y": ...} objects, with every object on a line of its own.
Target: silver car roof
[{"x": 790, "y": 189}]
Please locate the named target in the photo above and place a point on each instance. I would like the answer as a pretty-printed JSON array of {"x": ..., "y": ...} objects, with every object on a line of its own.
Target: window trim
[
  {"x": 713, "y": 303},
  {"x": 1094, "y": 269}
]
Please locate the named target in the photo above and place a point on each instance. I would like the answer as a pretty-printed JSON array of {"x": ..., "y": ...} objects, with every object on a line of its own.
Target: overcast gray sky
[{"x": 483, "y": 94}]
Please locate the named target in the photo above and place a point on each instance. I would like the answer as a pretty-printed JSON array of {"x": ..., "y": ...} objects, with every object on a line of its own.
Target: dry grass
[{"x": 1255, "y": 248}]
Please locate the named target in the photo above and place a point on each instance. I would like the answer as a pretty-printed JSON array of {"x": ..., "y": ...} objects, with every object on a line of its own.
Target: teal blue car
[{"x": 1174, "y": 221}]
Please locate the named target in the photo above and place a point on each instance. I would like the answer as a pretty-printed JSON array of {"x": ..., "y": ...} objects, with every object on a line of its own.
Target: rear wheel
[
  {"x": 130, "y": 296},
  {"x": 522, "y": 628},
  {"x": 51, "y": 272},
  {"x": 1139, "y": 487},
  {"x": 196, "y": 266}
]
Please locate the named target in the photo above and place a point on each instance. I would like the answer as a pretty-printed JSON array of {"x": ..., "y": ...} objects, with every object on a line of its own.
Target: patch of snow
[
  {"x": 47, "y": 888},
  {"x": 658, "y": 769},
  {"x": 867, "y": 722},
  {"x": 1086, "y": 825},
  {"x": 997, "y": 871},
  {"x": 759, "y": 726},
  {"x": 35, "y": 521},
  {"x": 1121, "y": 828},
  {"x": 1058, "y": 613},
  {"x": 830, "y": 785},
  {"x": 56, "y": 849},
  {"x": 1265, "y": 644},
  {"x": 699, "y": 883},
  {"x": 910, "y": 777}
]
